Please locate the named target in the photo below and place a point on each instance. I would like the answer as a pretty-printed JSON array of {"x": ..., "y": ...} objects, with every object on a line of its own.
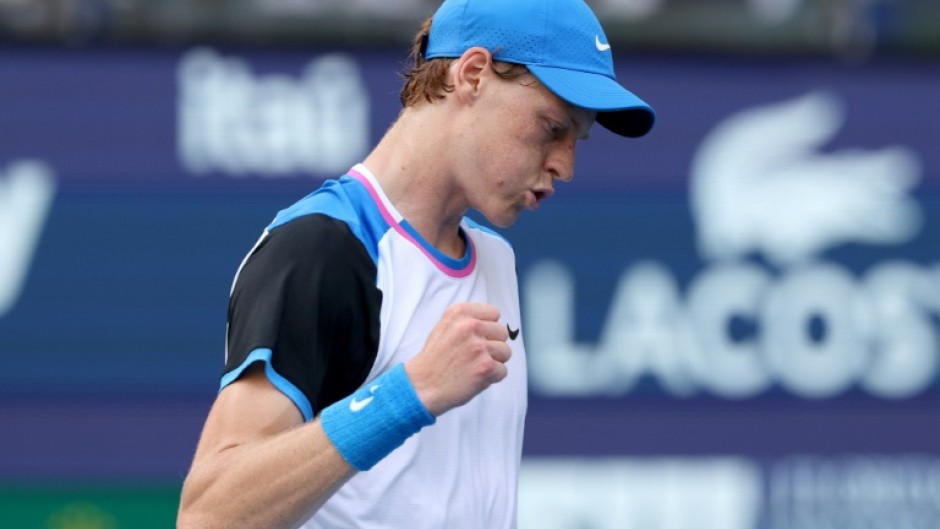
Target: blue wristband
[{"x": 367, "y": 425}]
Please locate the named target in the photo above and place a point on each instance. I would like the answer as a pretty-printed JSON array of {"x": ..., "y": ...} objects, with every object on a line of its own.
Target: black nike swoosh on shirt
[{"x": 512, "y": 333}]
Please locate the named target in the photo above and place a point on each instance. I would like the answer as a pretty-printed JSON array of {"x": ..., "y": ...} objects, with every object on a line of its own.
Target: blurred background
[{"x": 732, "y": 323}]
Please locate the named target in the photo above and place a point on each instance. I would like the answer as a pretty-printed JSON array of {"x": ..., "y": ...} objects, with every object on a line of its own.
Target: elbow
[
  {"x": 189, "y": 518},
  {"x": 186, "y": 518},
  {"x": 191, "y": 515},
  {"x": 202, "y": 513}
]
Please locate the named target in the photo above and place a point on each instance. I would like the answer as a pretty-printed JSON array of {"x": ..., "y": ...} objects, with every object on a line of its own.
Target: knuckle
[
  {"x": 491, "y": 371},
  {"x": 453, "y": 311},
  {"x": 471, "y": 326},
  {"x": 486, "y": 368},
  {"x": 498, "y": 352},
  {"x": 479, "y": 348}
]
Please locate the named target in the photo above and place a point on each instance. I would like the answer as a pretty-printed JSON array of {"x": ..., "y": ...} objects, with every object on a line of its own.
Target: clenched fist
[{"x": 465, "y": 353}]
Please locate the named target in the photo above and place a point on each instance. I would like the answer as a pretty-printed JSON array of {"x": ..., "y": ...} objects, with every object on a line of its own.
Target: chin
[{"x": 503, "y": 220}]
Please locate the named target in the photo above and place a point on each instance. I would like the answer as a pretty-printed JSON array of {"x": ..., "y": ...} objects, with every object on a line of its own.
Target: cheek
[{"x": 511, "y": 157}]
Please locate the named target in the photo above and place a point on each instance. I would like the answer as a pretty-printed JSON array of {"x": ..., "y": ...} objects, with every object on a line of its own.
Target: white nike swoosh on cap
[{"x": 600, "y": 45}]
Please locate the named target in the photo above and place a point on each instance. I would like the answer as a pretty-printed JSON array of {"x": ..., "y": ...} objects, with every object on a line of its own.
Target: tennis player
[{"x": 375, "y": 369}]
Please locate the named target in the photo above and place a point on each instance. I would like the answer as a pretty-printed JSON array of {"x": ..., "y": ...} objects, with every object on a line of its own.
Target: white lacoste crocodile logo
[{"x": 762, "y": 182}]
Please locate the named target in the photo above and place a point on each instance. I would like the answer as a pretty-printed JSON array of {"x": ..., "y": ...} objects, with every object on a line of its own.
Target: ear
[{"x": 471, "y": 73}]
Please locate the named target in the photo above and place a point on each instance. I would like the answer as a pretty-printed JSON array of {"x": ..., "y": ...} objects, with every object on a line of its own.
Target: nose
[{"x": 560, "y": 163}]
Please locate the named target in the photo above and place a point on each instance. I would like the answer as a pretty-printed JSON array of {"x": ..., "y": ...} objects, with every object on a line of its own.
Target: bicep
[
  {"x": 246, "y": 411},
  {"x": 258, "y": 464}
]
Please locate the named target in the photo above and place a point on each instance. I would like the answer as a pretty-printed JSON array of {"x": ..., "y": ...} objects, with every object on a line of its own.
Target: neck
[{"x": 410, "y": 165}]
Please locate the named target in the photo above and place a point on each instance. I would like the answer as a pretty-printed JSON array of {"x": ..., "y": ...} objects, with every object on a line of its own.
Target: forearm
[{"x": 275, "y": 482}]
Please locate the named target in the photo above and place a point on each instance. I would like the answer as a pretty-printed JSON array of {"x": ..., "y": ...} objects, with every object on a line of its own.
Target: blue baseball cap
[{"x": 560, "y": 41}]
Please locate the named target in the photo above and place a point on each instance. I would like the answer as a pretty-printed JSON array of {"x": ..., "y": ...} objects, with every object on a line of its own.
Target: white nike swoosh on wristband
[{"x": 357, "y": 405}]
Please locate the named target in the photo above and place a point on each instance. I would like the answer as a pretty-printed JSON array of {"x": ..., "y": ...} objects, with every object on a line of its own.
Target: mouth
[{"x": 536, "y": 196}]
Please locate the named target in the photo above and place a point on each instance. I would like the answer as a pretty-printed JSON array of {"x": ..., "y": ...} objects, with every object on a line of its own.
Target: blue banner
[{"x": 749, "y": 296}]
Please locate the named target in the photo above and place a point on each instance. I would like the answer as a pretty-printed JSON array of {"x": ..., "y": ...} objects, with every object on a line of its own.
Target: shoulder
[
  {"x": 315, "y": 237},
  {"x": 337, "y": 204},
  {"x": 310, "y": 256}
]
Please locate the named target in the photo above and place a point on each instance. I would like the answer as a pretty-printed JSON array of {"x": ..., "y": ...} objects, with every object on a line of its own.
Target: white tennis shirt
[{"x": 339, "y": 289}]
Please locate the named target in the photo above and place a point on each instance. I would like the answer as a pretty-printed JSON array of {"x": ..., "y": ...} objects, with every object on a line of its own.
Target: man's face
[{"x": 522, "y": 140}]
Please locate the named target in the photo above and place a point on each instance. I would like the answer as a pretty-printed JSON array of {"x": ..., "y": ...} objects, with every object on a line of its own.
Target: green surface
[{"x": 80, "y": 507}]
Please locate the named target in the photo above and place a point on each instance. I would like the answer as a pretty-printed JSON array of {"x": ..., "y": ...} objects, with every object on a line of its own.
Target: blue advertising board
[{"x": 735, "y": 317}]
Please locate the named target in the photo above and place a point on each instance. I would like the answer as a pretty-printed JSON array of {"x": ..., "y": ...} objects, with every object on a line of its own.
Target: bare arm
[{"x": 257, "y": 464}]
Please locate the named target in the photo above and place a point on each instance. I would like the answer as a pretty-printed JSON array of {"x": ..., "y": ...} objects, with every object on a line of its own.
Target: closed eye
[{"x": 557, "y": 132}]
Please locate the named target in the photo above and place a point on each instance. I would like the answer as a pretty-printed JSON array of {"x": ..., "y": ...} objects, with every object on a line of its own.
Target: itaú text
[{"x": 815, "y": 330}]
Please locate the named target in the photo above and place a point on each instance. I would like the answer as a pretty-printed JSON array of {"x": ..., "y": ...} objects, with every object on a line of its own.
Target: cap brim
[{"x": 618, "y": 109}]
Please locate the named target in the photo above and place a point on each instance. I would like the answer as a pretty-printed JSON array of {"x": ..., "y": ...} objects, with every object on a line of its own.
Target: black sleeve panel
[{"x": 308, "y": 292}]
